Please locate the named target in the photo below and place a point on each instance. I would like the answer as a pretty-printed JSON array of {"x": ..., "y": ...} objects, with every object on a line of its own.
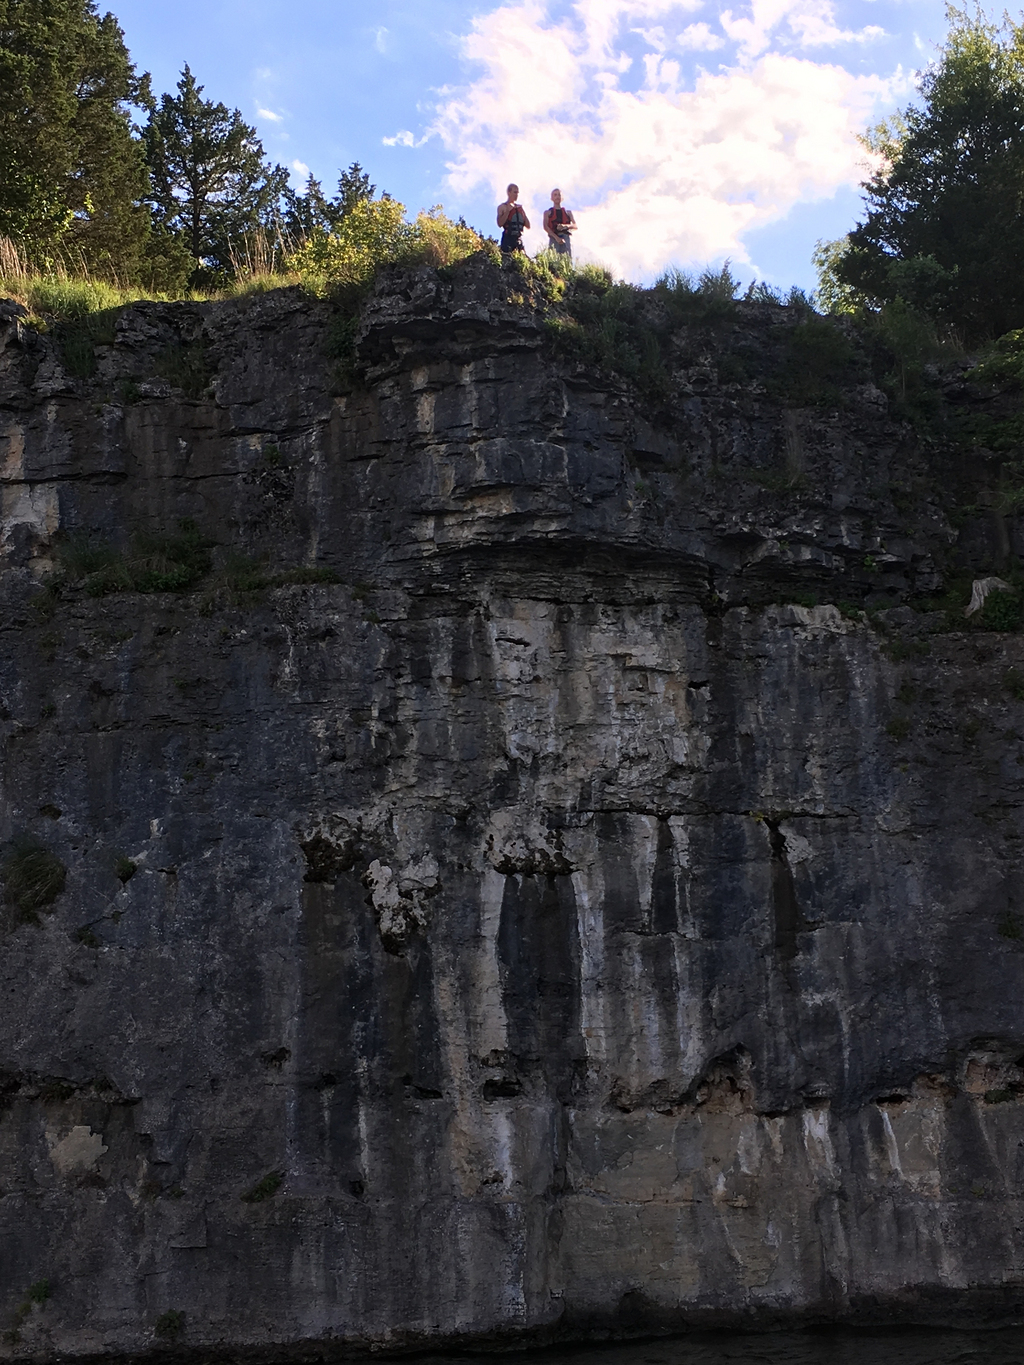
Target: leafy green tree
[
  {"x": 306, "y": 214},
  {"x": 72, "y": 174},
  {"x": 212, "y": 184},
  {"x": 944, "y": 230}
]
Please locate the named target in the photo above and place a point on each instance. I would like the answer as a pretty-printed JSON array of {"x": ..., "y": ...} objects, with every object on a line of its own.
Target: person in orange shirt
[{"x": 512, "y": 220}]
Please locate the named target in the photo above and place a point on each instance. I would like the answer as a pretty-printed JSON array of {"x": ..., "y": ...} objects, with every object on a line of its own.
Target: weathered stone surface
[{"x": 586, "y": 934}]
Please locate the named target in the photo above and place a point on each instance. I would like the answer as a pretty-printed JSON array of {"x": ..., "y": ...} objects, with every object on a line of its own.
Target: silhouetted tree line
[{"x": 172, "y": 201}]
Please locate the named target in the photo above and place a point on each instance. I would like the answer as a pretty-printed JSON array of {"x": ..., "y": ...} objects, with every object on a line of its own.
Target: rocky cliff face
[{"x": 554, "y": 925}]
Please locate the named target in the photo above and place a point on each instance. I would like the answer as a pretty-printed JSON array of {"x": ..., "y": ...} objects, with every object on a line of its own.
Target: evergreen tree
[
  {"x": 305, "y": 214},
  {"x": 211, "y": 181},
  {"x": 944, "y": 230},
  {"x": 72, "y": 175},
  {"x": 353, "y": 187}
]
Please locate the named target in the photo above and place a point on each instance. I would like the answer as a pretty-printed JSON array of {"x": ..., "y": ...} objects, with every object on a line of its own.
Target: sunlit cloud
[
  {"x": 270, "y": 116},
  {"x": 300, "y": 168},
  {"x": 662, "y": 159},
  {"x": 380, "y": 39},
  {"x": 405, "y": 139}
]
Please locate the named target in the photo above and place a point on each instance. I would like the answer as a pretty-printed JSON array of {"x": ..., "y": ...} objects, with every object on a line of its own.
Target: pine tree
[
  {"x": 211, "y": 182},
  {"x": 353, "y": 187},
  {"x": 72, "y": 174},
  {"x": 305, "y": 214}
]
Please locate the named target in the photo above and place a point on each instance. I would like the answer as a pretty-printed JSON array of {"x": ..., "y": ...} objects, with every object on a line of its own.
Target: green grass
[
  {"x": 124, "y": 868},
  {"x": 153, "y": 563},
  {"x": 899, "y": 728},
  {"x": 170, "y": 1324},
  {"x": 181, "y": 562},
  {"x": 33, "y": 877},
  {"x": 1002, "y": 611},
  {"x": 1011, "y": 926},
  {"x": 188, "y": 368},
  {"x": 264, "y": 1189}
]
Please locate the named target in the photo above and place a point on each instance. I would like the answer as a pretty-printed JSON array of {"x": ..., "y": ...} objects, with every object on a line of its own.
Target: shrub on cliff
[
  {"x": 153, "y": 563},
  {"x": 628, "y": 329},
  {"x": 374, "y": 233}
]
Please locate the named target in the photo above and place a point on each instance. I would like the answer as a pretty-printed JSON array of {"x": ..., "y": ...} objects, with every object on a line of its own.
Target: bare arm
[{"x": 503, "y": 212}]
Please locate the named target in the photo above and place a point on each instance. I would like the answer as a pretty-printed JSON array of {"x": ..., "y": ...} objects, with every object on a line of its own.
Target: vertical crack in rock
[{"x": 785, "y": 908}]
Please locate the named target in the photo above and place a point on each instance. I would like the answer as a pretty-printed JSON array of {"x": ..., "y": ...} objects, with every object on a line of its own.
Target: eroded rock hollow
[{"x": 510, "y": 888}]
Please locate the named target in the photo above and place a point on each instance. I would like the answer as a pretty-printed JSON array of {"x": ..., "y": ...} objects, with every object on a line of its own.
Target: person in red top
[
  {"x": 512, "y": 220},
  {"x": 559, "y": 223}
]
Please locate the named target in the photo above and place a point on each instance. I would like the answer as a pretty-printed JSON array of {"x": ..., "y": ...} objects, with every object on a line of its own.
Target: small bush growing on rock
[
  {"x": 898, "y": 728},
  {"x": 124, "y": 868},
  {"x": 374, "y": 233},
  {"x": 170, "y": 1324},
  {"x": 1002, "y": 611},
  {"x": 33, "y": 877},
  {"x": 154, "y": 563},
  {"x": 264, "y": 1189},
  {"x": 187, "y": 368},
  {"x": 1011, "y": 926}
]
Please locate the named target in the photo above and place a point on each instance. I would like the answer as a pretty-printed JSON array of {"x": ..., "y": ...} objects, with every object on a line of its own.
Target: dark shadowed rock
[{"x": 543, "y": 918}]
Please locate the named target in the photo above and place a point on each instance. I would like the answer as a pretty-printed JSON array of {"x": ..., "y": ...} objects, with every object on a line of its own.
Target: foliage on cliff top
[
  {"x": 72, "y": 175},
  {"x": 375, "y": 233},
  {"x": 944, "y": 229},
  {"x": 644, "y": 334},
  {"x": 624, "y": 327}
]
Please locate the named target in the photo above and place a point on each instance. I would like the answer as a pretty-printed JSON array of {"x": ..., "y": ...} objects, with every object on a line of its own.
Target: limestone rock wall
[{"x": 552, "y": 926}]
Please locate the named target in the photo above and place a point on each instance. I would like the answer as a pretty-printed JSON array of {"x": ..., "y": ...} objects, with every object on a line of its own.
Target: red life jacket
[{"x": 558, "y": 217}]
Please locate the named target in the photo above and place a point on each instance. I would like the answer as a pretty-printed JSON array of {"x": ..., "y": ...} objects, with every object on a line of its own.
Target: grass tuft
[
  {"x": 33, "y": 877},
  {"x": 170, "y": 1324},
  {"x": 264, "y": 1189},
  {"x": 154, "y": 563}
]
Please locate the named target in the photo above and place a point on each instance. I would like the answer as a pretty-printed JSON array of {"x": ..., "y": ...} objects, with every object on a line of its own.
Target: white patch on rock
[
  {"x": 398, "y": 898},
  {"x": 980, "y": 589},
  {"x": 79, "y": 1151},
  {"x": 798, "y": 849}
]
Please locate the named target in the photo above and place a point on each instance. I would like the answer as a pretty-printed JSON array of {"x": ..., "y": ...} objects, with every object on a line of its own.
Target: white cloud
[
  {"x": 270, "y": 116},
  {"x": 699, "y": 38},
  {"x": 405, "y": 139},
  {"x": 661, "y": 165},
  {"x": 380, "y": 40},
  {"x": 300, "y": 168}
]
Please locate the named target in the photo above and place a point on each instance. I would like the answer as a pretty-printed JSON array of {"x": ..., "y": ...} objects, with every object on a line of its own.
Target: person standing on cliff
[
  {"x": 512, "y": 220},
  {"x": 559, "y": 223}
]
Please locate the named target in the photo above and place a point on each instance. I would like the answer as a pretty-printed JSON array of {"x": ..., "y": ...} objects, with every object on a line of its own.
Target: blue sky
[{"x": 681, "y": 132}]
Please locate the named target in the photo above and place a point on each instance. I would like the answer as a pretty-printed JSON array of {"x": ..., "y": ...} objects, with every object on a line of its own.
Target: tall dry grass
[{"x": 14, "y": 269}]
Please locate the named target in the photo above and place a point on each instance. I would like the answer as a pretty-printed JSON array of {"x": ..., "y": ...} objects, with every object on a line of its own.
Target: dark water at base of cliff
[{"x": 909, "y": 1346}]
